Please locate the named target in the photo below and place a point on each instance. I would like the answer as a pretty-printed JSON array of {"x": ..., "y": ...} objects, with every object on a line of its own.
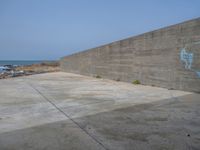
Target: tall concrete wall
[{"x": 168, "y": 57}]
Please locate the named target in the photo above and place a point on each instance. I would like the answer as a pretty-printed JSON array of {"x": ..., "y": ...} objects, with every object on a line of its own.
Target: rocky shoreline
[{"x": 10, "y": 71}]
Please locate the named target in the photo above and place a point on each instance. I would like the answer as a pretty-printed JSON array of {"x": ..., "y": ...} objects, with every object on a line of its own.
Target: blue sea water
[{"x": 20, "y": 62}]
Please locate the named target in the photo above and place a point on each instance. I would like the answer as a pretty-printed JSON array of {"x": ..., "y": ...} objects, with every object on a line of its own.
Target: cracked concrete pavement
[{"x": 64, "y": 111}]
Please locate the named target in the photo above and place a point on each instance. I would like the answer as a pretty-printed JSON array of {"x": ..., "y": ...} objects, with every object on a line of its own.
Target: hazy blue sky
[{"x": 49, "y": 29}]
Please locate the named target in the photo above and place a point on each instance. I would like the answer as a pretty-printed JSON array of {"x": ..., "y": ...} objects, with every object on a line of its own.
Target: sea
[{"x": 20, "y": 62}]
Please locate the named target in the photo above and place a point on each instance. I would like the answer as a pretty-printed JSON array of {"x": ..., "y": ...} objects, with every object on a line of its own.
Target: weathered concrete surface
[
  {"x": 59, "y": 111},
  {"x": 155, "y": 58}
]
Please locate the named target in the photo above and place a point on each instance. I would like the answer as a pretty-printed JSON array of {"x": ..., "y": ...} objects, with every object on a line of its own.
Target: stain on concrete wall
[{"x": 168, "y": 57}]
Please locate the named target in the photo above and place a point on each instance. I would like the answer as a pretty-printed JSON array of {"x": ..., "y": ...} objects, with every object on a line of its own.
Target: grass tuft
[
  {"x": 98, "y": 76},
  {"x": 136, "y": 82}
]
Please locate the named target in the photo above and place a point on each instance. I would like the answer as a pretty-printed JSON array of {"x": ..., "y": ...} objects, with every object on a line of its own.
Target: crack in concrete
[{"x": 66, "y": 115}]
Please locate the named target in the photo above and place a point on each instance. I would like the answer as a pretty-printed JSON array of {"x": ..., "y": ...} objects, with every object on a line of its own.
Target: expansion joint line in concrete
[{"x": 66, "y": 115}]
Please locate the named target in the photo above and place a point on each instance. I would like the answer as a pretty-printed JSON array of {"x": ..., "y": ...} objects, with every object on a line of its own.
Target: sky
[{"x": 50, "y": 29}]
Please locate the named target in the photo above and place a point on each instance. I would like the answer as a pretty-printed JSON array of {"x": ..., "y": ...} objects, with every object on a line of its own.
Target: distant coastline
[
  {"x": 18, "y": 68},
  {"x": 22, "y": 62}
]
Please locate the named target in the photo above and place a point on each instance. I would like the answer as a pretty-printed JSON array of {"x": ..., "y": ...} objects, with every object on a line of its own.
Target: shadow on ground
[{"x": 171, "y": 124}]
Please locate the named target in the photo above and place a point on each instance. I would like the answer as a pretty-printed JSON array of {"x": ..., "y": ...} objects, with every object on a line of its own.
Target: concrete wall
[{"x": 168, "y": 57}]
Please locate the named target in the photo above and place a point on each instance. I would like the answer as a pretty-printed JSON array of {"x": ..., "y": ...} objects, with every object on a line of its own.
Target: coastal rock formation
[{"x": 8, "y": 71}]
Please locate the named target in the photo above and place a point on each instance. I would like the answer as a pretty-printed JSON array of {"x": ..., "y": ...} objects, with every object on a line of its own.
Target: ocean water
[{"x": 20, "y": 62}]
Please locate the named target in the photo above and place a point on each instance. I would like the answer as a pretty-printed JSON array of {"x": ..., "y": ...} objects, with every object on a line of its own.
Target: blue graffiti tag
[
  {"x": 198, "y": 73},
  {"x": 187, "y": 58}
]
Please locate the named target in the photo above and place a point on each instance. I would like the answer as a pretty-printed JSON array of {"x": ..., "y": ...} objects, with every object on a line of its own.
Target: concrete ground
[{"x": 62, "y": 111}]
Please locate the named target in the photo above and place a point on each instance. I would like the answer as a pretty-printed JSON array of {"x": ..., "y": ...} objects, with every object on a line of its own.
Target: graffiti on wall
[{"x": 187, "y": 59}]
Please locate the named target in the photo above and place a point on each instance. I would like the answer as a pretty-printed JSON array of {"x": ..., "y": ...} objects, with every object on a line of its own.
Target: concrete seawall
[{"x": 168, "y": 57}]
